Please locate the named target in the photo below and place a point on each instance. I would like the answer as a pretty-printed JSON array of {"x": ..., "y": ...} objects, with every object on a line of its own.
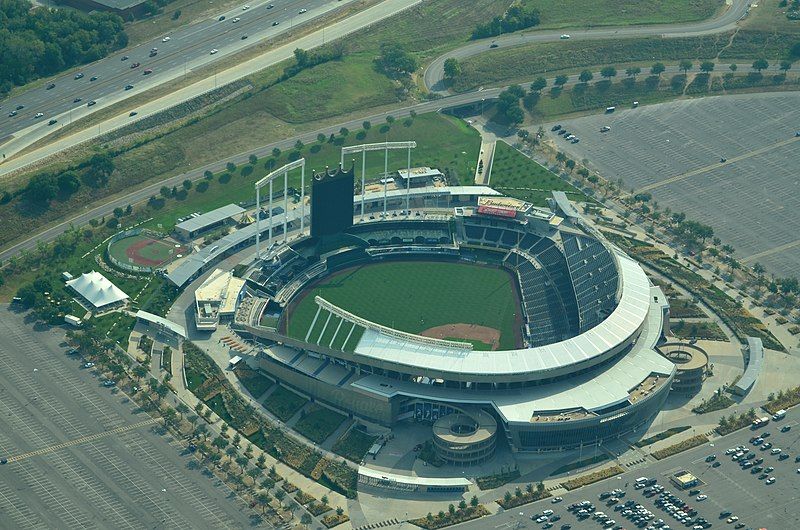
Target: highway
[
  {"x": 434, "y": 74},
  {"x": 188, "y": 47},
  {"x": 222, "y": 74}
]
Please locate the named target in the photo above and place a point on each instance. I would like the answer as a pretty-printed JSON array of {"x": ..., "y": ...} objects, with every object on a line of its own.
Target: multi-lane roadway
[{"x": 184, "y": 48}]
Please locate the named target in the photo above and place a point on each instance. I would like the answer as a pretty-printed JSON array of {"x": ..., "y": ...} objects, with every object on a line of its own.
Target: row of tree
[{"x": 41, "y": 42}]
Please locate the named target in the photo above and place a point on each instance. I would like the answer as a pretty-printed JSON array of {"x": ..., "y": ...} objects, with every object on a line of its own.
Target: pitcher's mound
[{"x": 481, "y": 337}]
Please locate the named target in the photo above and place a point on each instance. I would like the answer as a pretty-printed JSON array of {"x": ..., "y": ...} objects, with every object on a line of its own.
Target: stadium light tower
[
  {"x": 385, "y": 147},
  {"x": 267, "y": 181}
]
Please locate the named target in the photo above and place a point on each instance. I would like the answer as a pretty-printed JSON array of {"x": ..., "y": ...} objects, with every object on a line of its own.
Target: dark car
[
  {"x": 221, "y": 18},
  {"x": 493, "y": 45},
  {"x": 128, "y": 87},
  {"x": 94, "y": 78},
  {"x": 124, "y": 58},
  {"x": 3, "y": 461},
  {"x": 51, "y": 85},
  {"x": 555, "y": 127},
  {"x": 92, "y": 102},
  {"x": 786, "y": 428},
  {"x": 133, "y": 113},
  {"x": 52, "y": 122},
  {"x": 148, "y": 71},
  {"x": 77, "y": 100},
  {"x": 12, "y": 113},
  {"x": 783, "y": 456},
  {"x": 244, "y": 37},
  {"x": 724, "y": 513},
  {"x": 275, "y": 23}
]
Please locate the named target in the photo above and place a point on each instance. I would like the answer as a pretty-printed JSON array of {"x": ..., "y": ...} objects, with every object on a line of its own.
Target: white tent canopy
[{"x": 97, "y": 289}]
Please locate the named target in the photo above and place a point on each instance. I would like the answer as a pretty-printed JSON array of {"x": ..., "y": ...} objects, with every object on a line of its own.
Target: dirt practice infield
[{"x": 466, "y": 332}]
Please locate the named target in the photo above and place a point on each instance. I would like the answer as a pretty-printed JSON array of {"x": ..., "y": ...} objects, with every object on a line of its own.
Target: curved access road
[{"x": 735, "y": 11}]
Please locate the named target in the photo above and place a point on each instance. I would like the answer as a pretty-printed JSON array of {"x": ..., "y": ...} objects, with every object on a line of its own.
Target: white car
[
  {"x": 702, "y": 497},
  {"x": 771, "y": 480},
  {"x": 166, "y": 39},
  {"x": 564, "y": 36},
  {"x": 776, "y": 451},
  {"x": 38, "y": 115},
  {"x": 304, "y": 10},
  {"x": 559, "y": 499},
  {"x": 235, "y": 20},
  {"x": 214, "y": 51},
  {"x": 245, "y": 7}
]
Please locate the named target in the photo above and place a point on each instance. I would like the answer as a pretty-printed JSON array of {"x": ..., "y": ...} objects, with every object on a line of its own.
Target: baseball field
[{"x": 446, "y": 300}]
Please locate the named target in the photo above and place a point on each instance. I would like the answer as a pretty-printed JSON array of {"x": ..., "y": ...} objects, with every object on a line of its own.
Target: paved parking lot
[
  {"x": 673, "y": 150},
  {"x": 728, "y": 488},
  {"x": 134, "y": 478}
]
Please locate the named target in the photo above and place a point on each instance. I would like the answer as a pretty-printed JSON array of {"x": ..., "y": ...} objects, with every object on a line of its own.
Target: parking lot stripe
[
  {"x": 705, "y": 169},
  {"x": 81, "y": 440}
]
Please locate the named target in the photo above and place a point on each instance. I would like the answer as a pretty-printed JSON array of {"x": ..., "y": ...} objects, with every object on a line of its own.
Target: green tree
[
  {"x": 187, "y": 184},
  {"x": 657, "y": 69},
  {"x": 305, "y": 519},
  {"x": 538, "y": 84},
  {"x": 252, "y": 159},
  {"x": 733, "y": 67},
  {"x": 452, "y": 68},
  {"x": 707, "y": 66},
  {"x": 395, "y": 61},
  {"x": 561, "y": 80},
  {"x": 585, "y": 76},
  {"x": 633, "y": 71},
  {"x": 760, "y": 64},
  {"x": 685, "y": 65},
  {"x": 474, "y": 501},
  {"x": 608, "y": 72},
  {"x": 785, "y": 66}
]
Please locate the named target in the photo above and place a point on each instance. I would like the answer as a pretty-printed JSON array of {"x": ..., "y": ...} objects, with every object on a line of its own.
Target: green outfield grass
[{"x": 415, "y": 296}]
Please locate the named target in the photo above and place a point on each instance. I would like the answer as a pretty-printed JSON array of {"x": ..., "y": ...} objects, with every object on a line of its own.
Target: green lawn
[
  {"x": 117, "y": 326},
  {"x": 318, "y": 423},
  {"x": 284, "y": 403},
  {"x": 415, "y": 296},
  {"x": 580, "y": 13},
  {"x": 255, "y": 382},
  {"x": 295, "y": 100},
  {"x": 518, "y": 176},
  {"x": 442, "y": 142},
  {"x": 354, "y": 445}
]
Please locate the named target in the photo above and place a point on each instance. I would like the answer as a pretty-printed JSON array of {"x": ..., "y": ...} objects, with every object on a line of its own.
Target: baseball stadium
[{"x": 488, "y": 318}]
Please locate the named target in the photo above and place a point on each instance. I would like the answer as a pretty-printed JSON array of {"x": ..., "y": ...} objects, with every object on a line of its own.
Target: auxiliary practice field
[
  {"x": 455, "y": 301},
  {"x": 144, "y": 251}
]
